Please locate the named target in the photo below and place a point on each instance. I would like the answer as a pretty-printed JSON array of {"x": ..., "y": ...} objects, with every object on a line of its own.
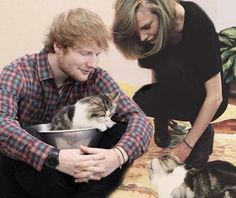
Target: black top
[{"x": 196, "y": 56}]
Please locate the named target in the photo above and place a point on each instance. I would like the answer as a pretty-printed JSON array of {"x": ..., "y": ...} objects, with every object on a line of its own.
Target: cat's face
[
  {"x": 102, "y": 107},
  {"x": 162, "y": 167}
]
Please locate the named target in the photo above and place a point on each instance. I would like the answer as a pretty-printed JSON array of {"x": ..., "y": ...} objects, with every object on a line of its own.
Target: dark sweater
[{"x": 196, "y": 56}]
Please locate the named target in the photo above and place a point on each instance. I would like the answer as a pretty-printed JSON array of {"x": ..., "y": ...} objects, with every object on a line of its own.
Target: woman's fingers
[{"x": 163, "y": 152}]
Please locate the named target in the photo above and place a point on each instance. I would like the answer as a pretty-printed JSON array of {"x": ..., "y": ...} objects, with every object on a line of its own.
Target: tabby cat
[
  {"x": 216, "y": 179},
  {"x": 89, "y": 112}
]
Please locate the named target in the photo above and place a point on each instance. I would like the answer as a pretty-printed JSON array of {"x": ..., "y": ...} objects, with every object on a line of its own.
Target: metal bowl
[{"x": 67, "y": 139}]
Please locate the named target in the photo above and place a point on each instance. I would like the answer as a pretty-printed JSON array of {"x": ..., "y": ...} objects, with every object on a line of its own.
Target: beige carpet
[{"x": 136, "y": 183}]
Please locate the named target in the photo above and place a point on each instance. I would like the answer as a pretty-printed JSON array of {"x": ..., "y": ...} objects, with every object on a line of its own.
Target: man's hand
[
  {"x": 108, "y": 163},
  {"x": 84, "y": 166}
]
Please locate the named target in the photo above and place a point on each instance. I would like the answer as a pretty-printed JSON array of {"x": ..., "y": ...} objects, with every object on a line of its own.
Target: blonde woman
[{"x": 178, "y": 42}]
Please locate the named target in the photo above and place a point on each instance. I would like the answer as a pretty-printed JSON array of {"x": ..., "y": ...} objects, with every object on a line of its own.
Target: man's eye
[{"x": 84, "y": 53}]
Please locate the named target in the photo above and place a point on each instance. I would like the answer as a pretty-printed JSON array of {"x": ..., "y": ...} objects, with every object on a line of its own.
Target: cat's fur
[
  {"x": 216, "y": 179},
  {"x": 89, "y": 112}
]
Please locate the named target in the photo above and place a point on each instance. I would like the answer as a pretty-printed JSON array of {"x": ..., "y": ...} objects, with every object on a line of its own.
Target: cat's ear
[{"x": 113, "y": 96}]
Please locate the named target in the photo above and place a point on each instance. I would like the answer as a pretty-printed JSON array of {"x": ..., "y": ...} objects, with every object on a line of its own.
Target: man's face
[{"x": 78, "y": 63}]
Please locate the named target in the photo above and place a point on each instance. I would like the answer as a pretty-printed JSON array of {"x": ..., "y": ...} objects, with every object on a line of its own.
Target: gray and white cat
[
  {"x": 216, "y": 179},
  {"x": 89, "y": 112}
]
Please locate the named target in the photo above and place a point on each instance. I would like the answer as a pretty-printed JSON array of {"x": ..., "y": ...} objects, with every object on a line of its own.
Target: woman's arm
[{"x": 209, "y": 107}]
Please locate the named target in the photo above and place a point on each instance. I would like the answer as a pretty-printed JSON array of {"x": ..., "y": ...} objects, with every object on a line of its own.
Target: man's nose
[{"x": 93, "y": 61}]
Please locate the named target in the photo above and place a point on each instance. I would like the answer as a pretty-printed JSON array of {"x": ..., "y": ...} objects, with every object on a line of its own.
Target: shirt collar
[{"x": 44, "y": 69}]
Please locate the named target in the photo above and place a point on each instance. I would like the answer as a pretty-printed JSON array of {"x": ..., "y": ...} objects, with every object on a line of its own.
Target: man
[{"x": 34, "y": 86}]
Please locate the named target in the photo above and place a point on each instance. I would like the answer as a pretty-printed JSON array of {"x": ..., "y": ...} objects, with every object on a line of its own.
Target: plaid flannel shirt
[{"x": 29, "y": 95}]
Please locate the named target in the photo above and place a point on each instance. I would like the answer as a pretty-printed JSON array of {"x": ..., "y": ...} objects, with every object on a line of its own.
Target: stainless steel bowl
[{"x": 65, "y": 139}]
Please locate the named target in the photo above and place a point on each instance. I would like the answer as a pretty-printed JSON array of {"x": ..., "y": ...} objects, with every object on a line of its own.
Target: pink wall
[{"x": 23, "y": 24}]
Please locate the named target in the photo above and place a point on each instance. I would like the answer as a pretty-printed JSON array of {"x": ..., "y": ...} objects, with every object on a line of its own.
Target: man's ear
[{"x": 57, "y": 48}]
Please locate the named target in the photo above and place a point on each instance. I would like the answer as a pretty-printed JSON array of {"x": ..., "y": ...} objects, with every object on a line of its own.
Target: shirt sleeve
[
  {"x": 136, "y": 139},
  {"x": 15, "y": 142}
]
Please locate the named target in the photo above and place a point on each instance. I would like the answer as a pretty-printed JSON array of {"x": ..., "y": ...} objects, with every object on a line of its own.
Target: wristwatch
[{"x": 52, "y": 161}]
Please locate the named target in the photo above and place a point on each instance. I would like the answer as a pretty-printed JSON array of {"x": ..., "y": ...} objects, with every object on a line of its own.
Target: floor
[
  {"x": 232, "y": 100},
  {"x": 227, "y": 126}
]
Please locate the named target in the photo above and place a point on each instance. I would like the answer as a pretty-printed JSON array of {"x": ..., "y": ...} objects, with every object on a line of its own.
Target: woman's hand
[
  {"x": 181, "y": 150},
  {"x": 109, "y": 163}
]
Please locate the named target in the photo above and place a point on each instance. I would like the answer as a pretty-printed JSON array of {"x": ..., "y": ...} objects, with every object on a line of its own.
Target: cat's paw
[
  {"x": 110, "y": 123},
  {"x": 102, "y": 128}
]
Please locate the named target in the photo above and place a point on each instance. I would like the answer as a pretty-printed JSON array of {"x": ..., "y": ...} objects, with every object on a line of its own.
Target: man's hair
[
  {"x": 75, "y": 28},
  {"x": 123, "y": 29}
]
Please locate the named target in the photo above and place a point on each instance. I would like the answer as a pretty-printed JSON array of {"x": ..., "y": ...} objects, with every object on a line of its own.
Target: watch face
[{"x": 53, "y": 161}]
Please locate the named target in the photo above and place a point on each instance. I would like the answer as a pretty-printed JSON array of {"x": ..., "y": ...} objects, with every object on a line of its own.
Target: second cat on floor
[
  {"x": 215, "y": 179},
  {"x": 89, "y": 112}
]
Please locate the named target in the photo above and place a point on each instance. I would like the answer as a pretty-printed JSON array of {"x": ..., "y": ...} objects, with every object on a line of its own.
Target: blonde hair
[
  {"x": 123, "y": 29},
  {"x": 77, "y": 27}
]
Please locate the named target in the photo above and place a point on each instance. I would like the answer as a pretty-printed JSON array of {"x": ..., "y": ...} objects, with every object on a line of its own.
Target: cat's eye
[
  {"x": 97, "y": 103},
  {"x": 100, "y": 115},
  {"x": 112, "y": 114}
]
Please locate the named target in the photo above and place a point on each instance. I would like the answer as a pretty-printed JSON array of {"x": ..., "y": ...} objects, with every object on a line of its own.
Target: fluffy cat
[
  {"x": 216, "y": 179},
  {"x": 89, "y": 112}
]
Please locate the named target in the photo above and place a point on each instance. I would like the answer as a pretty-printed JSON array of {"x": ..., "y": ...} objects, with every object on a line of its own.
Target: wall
[
  {"x": 221, "y": 12},
  {"x": 23, "y": 24}
]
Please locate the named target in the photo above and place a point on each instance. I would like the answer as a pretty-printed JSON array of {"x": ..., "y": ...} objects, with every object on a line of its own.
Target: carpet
[{"x": 136, "y": 182}]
